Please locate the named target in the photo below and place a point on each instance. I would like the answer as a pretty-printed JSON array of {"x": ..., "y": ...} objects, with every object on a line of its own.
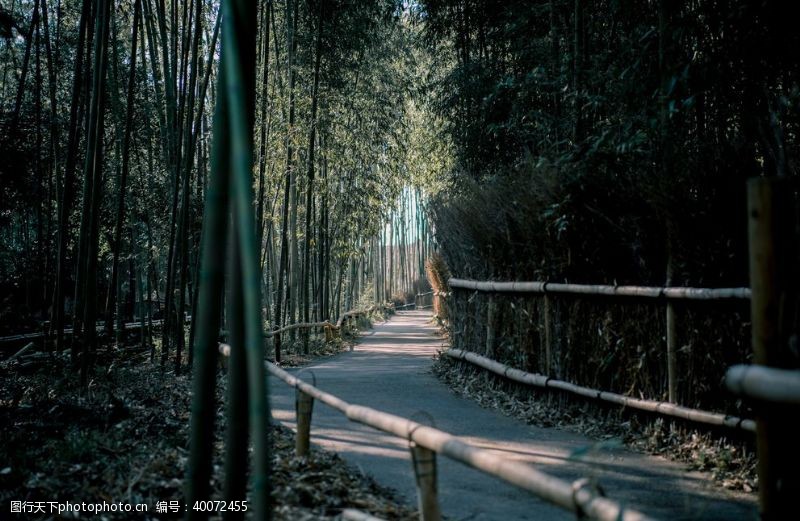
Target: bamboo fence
[
  {"x": 602, "y": 290},
  {"x": 663, "y": 408},
  {"x": 69, "y": 331},
  {"x": 575, "y": 497}
]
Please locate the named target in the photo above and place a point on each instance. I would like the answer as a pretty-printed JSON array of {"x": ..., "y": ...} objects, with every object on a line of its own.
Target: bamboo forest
[{"x": 399, "y": 260}]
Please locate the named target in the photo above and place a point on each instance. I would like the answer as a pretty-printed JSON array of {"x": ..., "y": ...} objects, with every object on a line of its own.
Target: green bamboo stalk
[
  {"x": 236, "y": 440},
  {"x": 238, "y": 33},
  {"x": 208, "y": 315}
]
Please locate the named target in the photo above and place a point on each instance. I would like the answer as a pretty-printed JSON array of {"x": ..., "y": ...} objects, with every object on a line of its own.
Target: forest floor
[
  {"x": 124, "y": 439},
  {"x": 730, "y": 462}
]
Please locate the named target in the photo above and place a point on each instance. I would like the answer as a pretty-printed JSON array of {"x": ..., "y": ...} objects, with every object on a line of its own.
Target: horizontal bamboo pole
[
  {"x": 69, "y": 331},
  {"x": 599, "y": 289},
  {"x": 328, "y": 399},
  {"x": 765, "y": 383},
  {"x": 302, "y": 325},
  {"x": 325, "y": 323},
  {"x": 664, "y": 408},
  {"x": 354, "y": 313},
  {"x": 28, "y": 347},
  {"x": 554, "y": 490}
]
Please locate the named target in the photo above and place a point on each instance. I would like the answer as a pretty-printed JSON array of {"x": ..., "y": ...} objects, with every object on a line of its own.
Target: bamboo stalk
[
  {"x": 238, "y": 35},
  {"x": 772, "y": 308},
  {"x": 664, "y": 408},
  {"x": 210, "y": 287},
  {"x": 600, "y": 289}
]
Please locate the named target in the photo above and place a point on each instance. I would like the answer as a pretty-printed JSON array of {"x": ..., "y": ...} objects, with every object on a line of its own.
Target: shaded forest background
[
  {"x": 594, "y": 142},
  {"x": 603, "y": 142},
  {"x": 106, "y": 151},
  {"x": 600, "y": 139},
  {"x": 610, "y": 143}
]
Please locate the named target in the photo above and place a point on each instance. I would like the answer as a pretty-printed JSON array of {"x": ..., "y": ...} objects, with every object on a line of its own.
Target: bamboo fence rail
[
  {"x": 69, "y": 331},
  {"x": 604, "y": 290},
  {"x": 137, "y": 325},
  {"x": 764, "y": 383},
  {"x": 663, "y": 408},
  {"x": 668, "y": 294},
  {"x": 338, "y": 325},
  {"x": 575, "y": 497}
]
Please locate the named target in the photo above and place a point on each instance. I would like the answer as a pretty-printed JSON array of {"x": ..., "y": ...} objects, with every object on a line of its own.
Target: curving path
[{"x": 389, "y": 370}]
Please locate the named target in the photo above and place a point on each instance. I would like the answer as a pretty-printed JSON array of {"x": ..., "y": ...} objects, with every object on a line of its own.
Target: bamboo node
[
  {"x": 585, "y": 483},
  {"x": 417, "y": 420}
]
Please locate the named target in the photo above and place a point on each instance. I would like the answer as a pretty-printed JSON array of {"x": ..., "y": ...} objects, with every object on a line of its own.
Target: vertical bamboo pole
[
  {"x": 672, "y": 360},
  {"x": 672, "y": 341},
  {"x": 209, "y": 291},
  {"x": 424, "y": 462},
  {"x": 237, "y": 86},
  {"x": 490, "y": 312},
  {"x": 304, "y": 406},
  {"x": 237, "y": 424},
  {"x": 772, "y": 304},
  {"x": 547, "y": 338}
]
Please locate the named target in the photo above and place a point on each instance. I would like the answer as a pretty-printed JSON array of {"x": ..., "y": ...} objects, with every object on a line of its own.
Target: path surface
[{"x": 389, "y": 369}]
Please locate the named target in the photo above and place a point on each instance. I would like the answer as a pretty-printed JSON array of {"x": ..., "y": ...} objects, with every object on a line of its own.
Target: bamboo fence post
[
  {"x": 304, "y": 406},
  {"x": 672, "y": 357},
  {"x": 672, "y": 335},
  {"x": 424, "y": 462},
  {"x": 490, "y": 312},
  {"x": 770, "y": 236},
  {"x": 547, "y": 337}
]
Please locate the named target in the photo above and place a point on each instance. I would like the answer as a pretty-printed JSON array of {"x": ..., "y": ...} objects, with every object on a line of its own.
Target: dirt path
[{"x": 389, "y": 370}]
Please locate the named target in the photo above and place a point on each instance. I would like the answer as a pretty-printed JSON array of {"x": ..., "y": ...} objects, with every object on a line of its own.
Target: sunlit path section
[{"x": 389, "y": 370}]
